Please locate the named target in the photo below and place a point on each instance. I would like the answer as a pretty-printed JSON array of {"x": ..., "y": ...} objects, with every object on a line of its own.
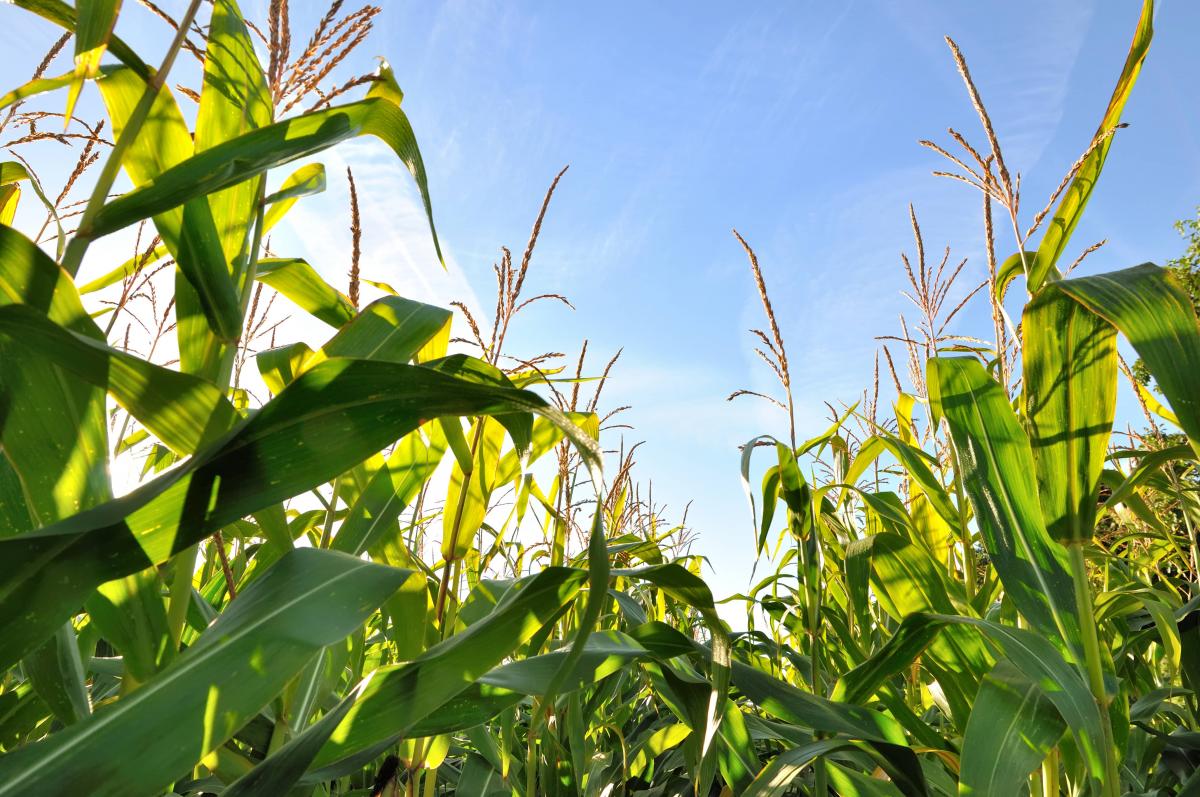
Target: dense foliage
[{"x": 406, "y": 570}]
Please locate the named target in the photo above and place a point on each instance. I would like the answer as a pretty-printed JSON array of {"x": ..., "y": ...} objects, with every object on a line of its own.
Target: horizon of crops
[{"x": 401, "y": 563}]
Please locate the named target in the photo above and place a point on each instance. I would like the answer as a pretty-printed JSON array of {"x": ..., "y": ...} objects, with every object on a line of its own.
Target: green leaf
[
  {"x": 179, "y": 409},
  {"x": 470, "y": 489},
  {"x": 280, "y": 366},
  {"x": 300, "y": 282},
  {"x": 737, "y": 758},
  {"x": 518, "y": 425},
  {"x": 915, "y": 462},
  {"x": 53, "y": 437},
  {"x": 778, "y": 776},
  {"x": 545, "y": 436},
  {"x": 10, "y": 197},
  {"x": 398, "y": 697},
  {"x": 605, "y": 653},
  {"x": 12, "y": 173},
  {"x": 250, "y": 154},
  {"x": 1149, "y": 464},
  {"x": 234, "y": 100},
  {"x": 996, "y": 466},
  {"x": 1070, "y": 207},
  {"x": 330, "y": 419},
  {"x": 810, "y": 711},
  {"x": 63, "y": 15},
  {"x": 907, "y": 580},
  {"x": 684, "y": 586},
  {"x": 389, "y": 328},
  {"x": 1010, "y": 269},
  {"x": 1149, "y": 308},
  {"x": 304, "y": 181},
  {"x": 56, "y": 673},
  {"x": 1070, "y": 377},
  {"x": 281, "y": 769},
  {"x": 1013, "y": 727},
  {"x": 35, "y": 87},
  {"x": 389, "y": 491},
  {"x": 309, "y": 599},
  {"x": 131, "y": 615},
  {"x": 1033, "y": 655},
  {"x": 189, "y": 233},
  {"x": 93, "y": 27}
]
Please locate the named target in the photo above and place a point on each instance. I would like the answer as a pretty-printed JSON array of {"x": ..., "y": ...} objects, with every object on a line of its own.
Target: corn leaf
[
  {"x": 1012, "y": 728},
  {"x": 996, "y": 466},
  {"x": 1070, "y": 207},
  {"x": 1150, "y": 309},
  {"x": 330, "y": 419},
  {"x": 309, "y": 599},
  {"x": 1070, "y": 395},
  {"x": 300, "y": 282},
  {"x": 250, "y": 154}
]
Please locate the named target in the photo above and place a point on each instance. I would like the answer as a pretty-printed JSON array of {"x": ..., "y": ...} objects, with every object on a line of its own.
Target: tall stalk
[{"x": 1093, "y": 667}]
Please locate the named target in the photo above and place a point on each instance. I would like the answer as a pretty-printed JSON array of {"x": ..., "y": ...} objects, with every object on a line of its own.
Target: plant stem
[
  {"x": 456, "y": 527},
  {"x": 964, "y": 530},
  {"x": 1050, "y": 774},
  {"x": 183, "y": 563},
  {"x": 226, "y": 570},
  {"x": 76, "y": 249},
  {"x": 531, "y": 749},
  {"x": 1094, "y": 669},
  {"x": 327, "y": 532}
]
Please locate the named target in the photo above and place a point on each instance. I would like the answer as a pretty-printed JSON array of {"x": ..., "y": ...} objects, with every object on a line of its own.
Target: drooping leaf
[
  {"x": 250, "y": 154},
  {"x": 304, "y": 181},
  {"x": 914, "y": 461},
  {"x": 300, "y": 282},
  {"x": 94, "y": 23},
  {"x": 1150, "y": 309},
  {"x": 333, "y": 417},
  {"x": 390, "y": 328},
  {"x": 63, "y": 15},
  {"x": 388, "y": 492},
  {"x": 1032, "y": 654},
  {"x": 182, "y": 410},
  {"x": 12, "y": 173},
  {"x": 280, "y": 770}
]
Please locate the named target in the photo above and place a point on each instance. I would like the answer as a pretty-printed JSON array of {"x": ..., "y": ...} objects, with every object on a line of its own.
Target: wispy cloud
[
  {"x": 397, "y": 247},
  {"x": 1024, "y": 82}
]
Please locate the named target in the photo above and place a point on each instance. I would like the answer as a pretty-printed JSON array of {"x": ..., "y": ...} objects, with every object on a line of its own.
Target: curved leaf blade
[
  {"x": 309, "y": 599},
  {"x": 996, "y": 465}
]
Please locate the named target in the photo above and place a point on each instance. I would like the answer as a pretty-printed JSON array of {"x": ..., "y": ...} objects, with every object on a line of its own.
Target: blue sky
[{"x": 795, "y": 122}]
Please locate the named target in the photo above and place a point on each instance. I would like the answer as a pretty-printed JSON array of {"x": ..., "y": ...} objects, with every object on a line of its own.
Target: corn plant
[
  {"x": 259, "y": 614},
  {"x": 396, "y": 569},
  {"x": 962, "y": 587}
]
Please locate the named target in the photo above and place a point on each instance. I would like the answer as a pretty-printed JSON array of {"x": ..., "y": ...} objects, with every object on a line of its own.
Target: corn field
[{"x": 409, "y": 564}]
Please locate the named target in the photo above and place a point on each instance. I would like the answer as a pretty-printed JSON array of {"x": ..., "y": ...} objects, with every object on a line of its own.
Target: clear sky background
[{"x": 796, "y": 122}]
